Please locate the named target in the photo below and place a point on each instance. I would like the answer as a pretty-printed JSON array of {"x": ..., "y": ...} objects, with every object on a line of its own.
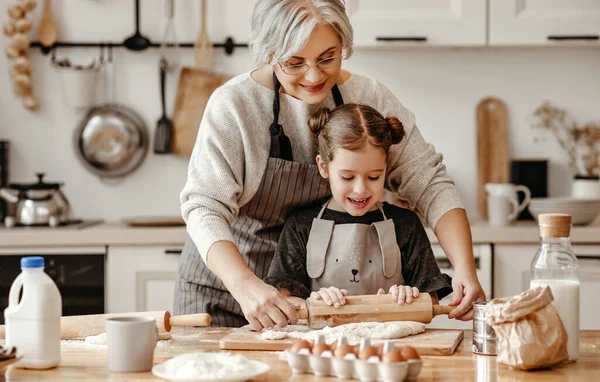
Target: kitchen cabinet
[
  {"x": 141, "y": 278},
  {"x": 511, "y": 276},
  {"x": 544, "y": 22},
  {"x": 424, "y": 22}
]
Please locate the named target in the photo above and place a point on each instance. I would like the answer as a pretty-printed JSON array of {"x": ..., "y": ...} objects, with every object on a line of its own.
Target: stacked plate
[{"x": 582, "y": 211}]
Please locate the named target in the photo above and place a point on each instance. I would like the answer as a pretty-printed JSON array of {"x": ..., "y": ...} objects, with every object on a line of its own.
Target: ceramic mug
[
  {"x": 585, "y": 187},
  {"x": 503, "y": 202},
  {"x": 131, "y": 342}
]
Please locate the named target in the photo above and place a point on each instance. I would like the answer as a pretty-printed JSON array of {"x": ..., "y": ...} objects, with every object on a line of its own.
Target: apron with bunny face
[{"x": 360, "y": 258}]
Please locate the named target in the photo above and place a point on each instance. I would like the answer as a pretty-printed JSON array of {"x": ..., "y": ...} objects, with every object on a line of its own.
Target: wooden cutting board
[
  {"x": 492, "y": 147},
  {"x": 432, "y": 342},
  {"x": 154, "y": 221},
  {"x": 194, "y": 90}
]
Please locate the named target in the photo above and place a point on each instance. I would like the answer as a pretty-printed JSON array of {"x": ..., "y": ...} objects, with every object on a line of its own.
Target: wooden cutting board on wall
[
  {"x": 194, "y": 90},
  {"x": 492, "y": 147},
  {"x": 432, "y": 342}
]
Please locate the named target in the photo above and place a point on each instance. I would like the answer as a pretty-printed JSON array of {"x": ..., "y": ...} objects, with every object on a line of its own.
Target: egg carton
[{"x": 349, "y": 367}]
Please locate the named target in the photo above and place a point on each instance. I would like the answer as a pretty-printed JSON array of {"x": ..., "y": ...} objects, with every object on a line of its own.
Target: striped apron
[{"x": 285, "y": 186}]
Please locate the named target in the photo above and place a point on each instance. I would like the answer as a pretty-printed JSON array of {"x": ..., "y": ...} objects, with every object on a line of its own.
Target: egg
[
  {"x": 342, "y": 350},
  {"x": 368, "y": 352},
  {"x": 302, "y": 344},
  {"x": 393, "y": 356},
  {"x": 409, "y": 352},
  {"x": 320, "y": 348}
]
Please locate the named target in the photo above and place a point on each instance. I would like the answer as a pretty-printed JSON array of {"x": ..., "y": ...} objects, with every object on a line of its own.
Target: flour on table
[
  {"x": 273, "y": 335},
  {"x": 209, "y": 365},
  {"x": 100, "y": 339},
  {"x": 354, "y": 333}
]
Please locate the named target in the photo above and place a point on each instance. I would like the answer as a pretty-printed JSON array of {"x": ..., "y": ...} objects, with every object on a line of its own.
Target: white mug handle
[
  {"x": 515, "y": 209},
  {"x": 527, "y": 199}
]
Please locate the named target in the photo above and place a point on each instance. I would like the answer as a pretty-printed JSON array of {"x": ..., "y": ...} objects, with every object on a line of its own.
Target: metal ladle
[{"x": 137, "y": 42}]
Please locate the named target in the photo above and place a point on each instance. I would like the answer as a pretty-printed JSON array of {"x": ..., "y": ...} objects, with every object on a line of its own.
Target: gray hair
[{"x": 281, "y": 28}]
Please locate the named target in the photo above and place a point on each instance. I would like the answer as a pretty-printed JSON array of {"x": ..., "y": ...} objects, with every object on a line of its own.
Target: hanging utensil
[
  {"x": 47, "y": 29},
  {"x": 203, "y": 47},
  {"x": 136, "y": 42},
  {"x": 111, "y": 140},
  {"x": 169, "y": 46},
  {"x": 164, "y": 127}
]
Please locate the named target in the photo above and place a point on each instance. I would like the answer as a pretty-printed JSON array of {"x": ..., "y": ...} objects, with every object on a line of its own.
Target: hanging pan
[{"x": 111, "y": 140}]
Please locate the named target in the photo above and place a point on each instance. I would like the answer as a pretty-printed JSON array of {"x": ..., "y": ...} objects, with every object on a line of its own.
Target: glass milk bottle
[{"x": 555, "y": 265}]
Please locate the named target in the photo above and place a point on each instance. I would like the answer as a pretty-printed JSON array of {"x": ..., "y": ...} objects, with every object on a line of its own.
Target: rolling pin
[
  {"x": 370, "y": 308},
  {"x": 93, "y": 324}
]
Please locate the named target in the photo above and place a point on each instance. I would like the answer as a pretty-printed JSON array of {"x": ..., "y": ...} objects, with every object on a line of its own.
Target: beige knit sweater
[{"x": 232, "y": 149}]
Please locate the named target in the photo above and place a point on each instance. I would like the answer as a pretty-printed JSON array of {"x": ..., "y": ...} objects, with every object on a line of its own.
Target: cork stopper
[{"x": 554, "y": 225}]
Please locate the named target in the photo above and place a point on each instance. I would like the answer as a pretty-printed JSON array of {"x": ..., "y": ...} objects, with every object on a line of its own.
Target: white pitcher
[{"x": 503, "y": 202}]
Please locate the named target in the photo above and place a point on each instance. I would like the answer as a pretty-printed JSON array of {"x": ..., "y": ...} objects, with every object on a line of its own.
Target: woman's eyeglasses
[{"x": 324, "y": 64}]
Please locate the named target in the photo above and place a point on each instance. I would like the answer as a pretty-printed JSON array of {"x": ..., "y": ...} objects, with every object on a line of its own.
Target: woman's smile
[{"x": 313, "y": 89}]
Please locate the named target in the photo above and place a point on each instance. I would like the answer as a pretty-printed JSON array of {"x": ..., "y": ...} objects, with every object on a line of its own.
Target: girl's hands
[
  {"x": 331, "y": 296},
  {"x": 402, "y": 293}
]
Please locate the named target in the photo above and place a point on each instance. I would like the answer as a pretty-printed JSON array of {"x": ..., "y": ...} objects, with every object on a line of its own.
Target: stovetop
[{"x": 71, "y": 224}]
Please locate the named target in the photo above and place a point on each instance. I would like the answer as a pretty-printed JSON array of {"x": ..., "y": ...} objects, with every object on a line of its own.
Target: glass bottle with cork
[{"x": 555, "y": 265}]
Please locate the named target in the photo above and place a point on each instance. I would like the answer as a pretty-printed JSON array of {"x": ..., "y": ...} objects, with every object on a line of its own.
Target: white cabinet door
[
  {"x": 589, "y": 276},
  {"x": 511, "y": 276},
  {"x": 511, "y": 268},
  {"x": 141, "y": 278},
  {"x": 418, "y": 22},
  {"x": 544, "y": 22}
]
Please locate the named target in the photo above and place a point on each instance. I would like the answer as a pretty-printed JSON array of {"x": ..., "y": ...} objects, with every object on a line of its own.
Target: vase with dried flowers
[{"x": 579, "y": 141}]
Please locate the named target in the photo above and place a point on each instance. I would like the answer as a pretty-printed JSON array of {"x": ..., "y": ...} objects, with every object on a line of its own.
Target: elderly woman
[{"x": 254, "y": 163}]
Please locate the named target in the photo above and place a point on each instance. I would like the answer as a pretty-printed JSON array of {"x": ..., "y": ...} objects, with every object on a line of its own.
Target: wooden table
[{"x": 82, "y": 362}]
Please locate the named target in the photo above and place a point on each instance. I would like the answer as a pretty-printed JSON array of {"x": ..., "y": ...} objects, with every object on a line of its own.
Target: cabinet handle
[
  {"x": 444, "y": 263},
  {"x": 173, "y": 251},
  {"x": 574, "y": 38},
  {"x": 413, "y": 39},
  {"x": 587, "y": 257}
]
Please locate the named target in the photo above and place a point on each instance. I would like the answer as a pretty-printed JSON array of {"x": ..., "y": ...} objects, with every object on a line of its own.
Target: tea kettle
[{"x": 36, "y": 203}]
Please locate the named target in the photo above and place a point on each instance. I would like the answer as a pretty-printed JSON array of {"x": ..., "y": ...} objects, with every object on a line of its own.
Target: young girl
[{"x": 353, "y": 244}]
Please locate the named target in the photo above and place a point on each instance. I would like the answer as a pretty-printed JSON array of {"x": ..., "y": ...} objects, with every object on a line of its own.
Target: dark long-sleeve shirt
[{"x": 419, "y": 268}]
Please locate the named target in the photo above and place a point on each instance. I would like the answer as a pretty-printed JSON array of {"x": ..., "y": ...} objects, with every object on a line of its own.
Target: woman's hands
[
  {"x": 402, "y": 293},
  {"x": 263, "y": 305},
  {"x": 467, "y": 290},
  {"x": 331, "y": 296}
]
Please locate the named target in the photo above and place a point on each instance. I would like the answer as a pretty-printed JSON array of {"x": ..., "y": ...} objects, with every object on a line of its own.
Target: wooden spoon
[
  {"x": 47, "y": 30},
  {"x": 203, "y": 47}
]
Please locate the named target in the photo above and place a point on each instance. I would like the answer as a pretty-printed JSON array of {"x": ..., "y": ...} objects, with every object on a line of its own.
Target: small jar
[{"x": 484, "y": 337}]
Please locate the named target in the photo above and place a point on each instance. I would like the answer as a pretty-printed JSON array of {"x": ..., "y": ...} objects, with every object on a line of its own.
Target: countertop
[
  {"x": 120, "y": 234},
  {"x": 82, "y": 362}
]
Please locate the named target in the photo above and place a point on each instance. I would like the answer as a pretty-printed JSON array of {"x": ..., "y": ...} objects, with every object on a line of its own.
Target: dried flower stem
[{"x": 571, "y": 137}]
